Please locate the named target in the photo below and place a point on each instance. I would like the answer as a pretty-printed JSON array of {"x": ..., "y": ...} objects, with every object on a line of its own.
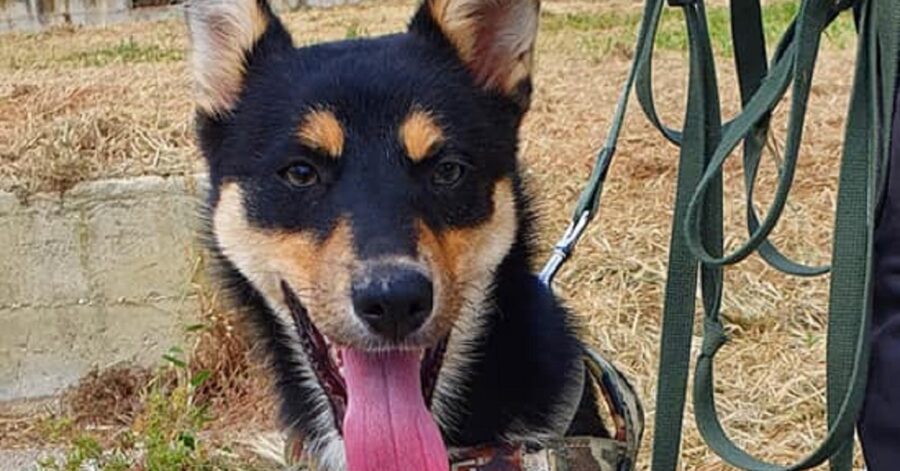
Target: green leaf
[
  {"x": 174, "y": 360},
  {"x": 195, "y": 327},
  {"x": 187, "y": 440},
  {"x": 200, "y": 377}
]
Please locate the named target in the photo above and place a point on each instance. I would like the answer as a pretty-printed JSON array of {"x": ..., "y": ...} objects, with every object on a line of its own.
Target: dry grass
[
  {"x": 80, "y": 104},
  {"x": 238, "y": 390},
  {"x": 108, "y": 397}
]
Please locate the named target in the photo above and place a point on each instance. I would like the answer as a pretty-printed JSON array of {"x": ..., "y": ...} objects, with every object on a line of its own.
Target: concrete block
[
  {"x": 145, "y": 239},
  {"x": 98, "y": 276},
  {"x": 37, "y": 349},
  {"x": 36, "y": 241},
  {"x": 43, "y": 350}
]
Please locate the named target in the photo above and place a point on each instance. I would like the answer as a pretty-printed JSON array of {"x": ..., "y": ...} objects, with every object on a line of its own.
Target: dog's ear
[
  {"x": 228, "y": 37},
  {"x": 493, "y": 38}
]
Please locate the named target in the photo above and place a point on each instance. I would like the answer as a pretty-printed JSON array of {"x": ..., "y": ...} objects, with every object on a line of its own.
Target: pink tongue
[{"x": 387, "y": 426}]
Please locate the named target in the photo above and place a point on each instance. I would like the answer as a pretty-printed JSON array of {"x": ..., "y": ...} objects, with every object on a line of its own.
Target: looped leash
[{"x": 697, "y": 248}]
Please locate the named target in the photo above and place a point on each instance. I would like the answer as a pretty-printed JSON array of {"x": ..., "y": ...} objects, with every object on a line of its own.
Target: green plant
[
  {"x": 54, "y": 429},
  {"x": 355, "y": 30},
  {"x": 126, "y": 51},
  {"x": 86, "y": 452},
  {"x": 165, "y": 436},
  {"x": 172, "y": 421}
]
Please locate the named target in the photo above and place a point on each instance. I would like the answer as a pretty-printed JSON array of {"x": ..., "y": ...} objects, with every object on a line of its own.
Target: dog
[{"x": 369, "y": 217}]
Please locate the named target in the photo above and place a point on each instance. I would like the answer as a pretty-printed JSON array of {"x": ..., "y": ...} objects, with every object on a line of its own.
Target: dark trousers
[{"x": 879, "y": 425}]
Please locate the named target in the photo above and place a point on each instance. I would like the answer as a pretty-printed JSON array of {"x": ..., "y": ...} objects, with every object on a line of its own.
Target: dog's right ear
[{"x": 228, "y": 37}]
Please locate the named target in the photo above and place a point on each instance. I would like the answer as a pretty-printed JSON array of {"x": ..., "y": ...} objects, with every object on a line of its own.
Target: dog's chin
[{"x": 326, "y": 356}]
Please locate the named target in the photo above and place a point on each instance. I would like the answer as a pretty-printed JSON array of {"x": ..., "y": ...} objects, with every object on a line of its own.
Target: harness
[{"x": 618, "y": 453}]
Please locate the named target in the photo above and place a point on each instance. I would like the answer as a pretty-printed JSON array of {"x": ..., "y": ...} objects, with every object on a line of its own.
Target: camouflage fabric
[
  {"x": 570, "y": 454},
  {"x": 574, "y": 453}
]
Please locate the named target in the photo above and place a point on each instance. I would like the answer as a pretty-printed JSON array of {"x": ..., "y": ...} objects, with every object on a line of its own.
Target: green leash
[{"x": 697, "y": 239}]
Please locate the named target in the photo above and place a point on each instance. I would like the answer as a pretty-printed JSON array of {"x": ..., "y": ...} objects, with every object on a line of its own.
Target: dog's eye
[
  {"x": 447, "y": 174},
  {"x": 301, "y": 175}
]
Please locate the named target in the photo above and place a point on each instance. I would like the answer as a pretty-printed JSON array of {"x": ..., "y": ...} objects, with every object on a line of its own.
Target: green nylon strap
[
  {"x": 847, "y": 348},
  {"x": 589, "y": 200},
  {"x": 849, "y": 302},
  {"x": 750, "y": 57},
  {"x": 696, "y": 242},
  {"x": 814, "y": 16},
  {"x": 748, "y": 37},
  {"x": 847, "y": 341},
  {"x": 888, "y": 17},
  {"x": 644, "y": 68},
  {"x": 644, "y": 90},
  {"x": 702, "y": 124}
]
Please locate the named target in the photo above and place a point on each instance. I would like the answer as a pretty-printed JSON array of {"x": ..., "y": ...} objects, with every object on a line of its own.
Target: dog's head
[{"x": 366, "y": 189}]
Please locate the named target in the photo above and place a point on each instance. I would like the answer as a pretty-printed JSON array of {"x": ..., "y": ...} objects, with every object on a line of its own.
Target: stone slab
[{"x": 101, "y": 275}]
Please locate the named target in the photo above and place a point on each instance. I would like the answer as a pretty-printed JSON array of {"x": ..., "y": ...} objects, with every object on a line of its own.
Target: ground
[{"x": 89, "y": 103}]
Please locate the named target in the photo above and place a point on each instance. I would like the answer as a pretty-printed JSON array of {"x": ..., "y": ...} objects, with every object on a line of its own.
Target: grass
[
  {"x": 169, "y": 430},
  {"x": 204, "y": 407},
  {"x": 595, "y": 30},
  {"x": 355, "y": 31},
  {"x": 125, "y": 52},
  {"x": 69, "y": 113},
  {"x": 86, "y": 452},
  {"x": 78, "y": 104}
]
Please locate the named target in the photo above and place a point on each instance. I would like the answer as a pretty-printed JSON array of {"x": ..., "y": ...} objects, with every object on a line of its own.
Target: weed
[
  {"x": 55, "y": 429},
  {"x": 355, "y": 30},
  {"x": 86, "y": 452},
  {"x": 166, "y": 435},
  {"x": 126, "y": 51}
]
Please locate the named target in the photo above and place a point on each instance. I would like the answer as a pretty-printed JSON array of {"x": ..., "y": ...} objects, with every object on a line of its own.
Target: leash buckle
[{"x": 564, "y": 247}]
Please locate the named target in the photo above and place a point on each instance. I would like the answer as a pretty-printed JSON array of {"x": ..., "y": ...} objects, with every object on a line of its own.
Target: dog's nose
[{"x": 393, "y": 301}]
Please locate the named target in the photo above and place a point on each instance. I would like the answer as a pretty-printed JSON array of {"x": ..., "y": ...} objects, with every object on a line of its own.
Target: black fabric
[{"x": 879, "y": 425}]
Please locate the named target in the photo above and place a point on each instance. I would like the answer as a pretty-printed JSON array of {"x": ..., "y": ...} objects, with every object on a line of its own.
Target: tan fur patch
[
  {"x": 467, "y": 258},
  {"x": 494, "y": 37},
  {"x": 319, "y": 271},
  {"x": 420, "y": 134},
  {"x": 320, "y": 129},
  {"x": 458, "y": 20},
  {"x": 222, "y": 31}
]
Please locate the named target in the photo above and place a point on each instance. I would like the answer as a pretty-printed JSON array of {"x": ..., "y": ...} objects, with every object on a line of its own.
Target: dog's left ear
[
  {"x": 493, "y": 38},
  {"x": 228, "y": 38}
]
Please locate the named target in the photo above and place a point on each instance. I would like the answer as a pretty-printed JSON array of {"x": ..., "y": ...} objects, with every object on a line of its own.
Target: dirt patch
[{"x": 108, "y": 397}]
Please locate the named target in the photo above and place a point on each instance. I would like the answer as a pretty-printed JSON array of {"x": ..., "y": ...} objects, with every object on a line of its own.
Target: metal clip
[{"x": 563, "y": 248}]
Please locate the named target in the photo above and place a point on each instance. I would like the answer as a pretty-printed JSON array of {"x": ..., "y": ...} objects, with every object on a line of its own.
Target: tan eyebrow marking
[
  {"x": 420, "y": 134},
  {"x": 320, "y": 129}
]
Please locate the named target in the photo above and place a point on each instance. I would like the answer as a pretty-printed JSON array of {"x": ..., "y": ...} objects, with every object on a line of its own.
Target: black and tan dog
[{"x": 369, "y": 216}]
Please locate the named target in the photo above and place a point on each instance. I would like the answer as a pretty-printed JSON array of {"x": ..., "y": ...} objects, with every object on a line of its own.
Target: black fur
[{"x": 527, "y": 353}]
